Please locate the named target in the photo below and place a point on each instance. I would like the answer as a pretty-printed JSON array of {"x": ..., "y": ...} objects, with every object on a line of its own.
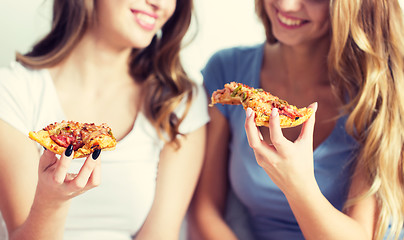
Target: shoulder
[
  {"x": 236, "y": 55},
  {"x": 16, "y": 74},
  {"x": 197, "y": 115},
  {"x": 20, "y": 84},
  {"x": 14, "y": 69},
  {"x": 21, "y": 93},
  {"x": 232, "y": 64}
]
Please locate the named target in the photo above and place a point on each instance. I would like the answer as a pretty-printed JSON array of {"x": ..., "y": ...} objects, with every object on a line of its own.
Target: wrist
[
  {"x": 44, "y": 201},
  {"x": 46, "y": 219},
  {"x": 303, "y": 190}
]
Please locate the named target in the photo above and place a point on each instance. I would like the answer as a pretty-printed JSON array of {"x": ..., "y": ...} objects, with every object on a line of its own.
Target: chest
[
  {"x": 123, "y": 200},
  {"x": 117, "y": 106}
]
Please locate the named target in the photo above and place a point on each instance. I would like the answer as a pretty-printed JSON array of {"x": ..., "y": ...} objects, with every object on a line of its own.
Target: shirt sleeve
[
  {"x": 197, "y": 114},
  {"x": 14, "y": 104}
]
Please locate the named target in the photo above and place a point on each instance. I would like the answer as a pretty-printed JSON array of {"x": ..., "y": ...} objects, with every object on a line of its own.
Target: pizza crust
[{"x": 43, "y": 138}]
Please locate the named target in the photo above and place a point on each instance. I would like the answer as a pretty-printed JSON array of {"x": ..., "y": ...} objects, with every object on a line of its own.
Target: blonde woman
[
  {"x": 103, "y": 61},
  {"x": 343, "y": 178}
]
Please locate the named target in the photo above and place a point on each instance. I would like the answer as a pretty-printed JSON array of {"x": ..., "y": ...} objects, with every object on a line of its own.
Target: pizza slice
[
  {"x": 85, "y": 137},
  {"x": 261, "y": 103}
]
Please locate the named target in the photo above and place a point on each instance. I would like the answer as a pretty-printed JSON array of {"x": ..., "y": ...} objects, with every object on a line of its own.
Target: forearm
[
  {"x": 213, "y": 228},
  {"x": 209, "y": 201},
  {"x": 319, "y": 219},
  {"x": 207, "y": 222},
  {"x": 45, "y": 221}
]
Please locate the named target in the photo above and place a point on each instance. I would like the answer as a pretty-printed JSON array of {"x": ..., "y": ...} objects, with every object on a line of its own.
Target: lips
[
  {"x": 290, "y": 22},
  {"x": 146, "y": 20}
]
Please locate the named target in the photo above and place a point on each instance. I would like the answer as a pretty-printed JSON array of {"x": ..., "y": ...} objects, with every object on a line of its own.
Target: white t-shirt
[{"x": 118, "y": 207}]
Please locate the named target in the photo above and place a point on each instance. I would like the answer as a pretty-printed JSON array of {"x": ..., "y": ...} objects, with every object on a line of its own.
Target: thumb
[
  {"x": 308, "y": 126},
  {"x": 47, "y": 159}
]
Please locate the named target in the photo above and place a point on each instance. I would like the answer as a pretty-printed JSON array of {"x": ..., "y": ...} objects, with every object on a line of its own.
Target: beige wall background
[{"x": 22, "y": 22}]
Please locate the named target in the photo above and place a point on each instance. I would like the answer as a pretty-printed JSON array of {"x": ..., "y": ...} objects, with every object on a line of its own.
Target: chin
[
  {"x": 289, "y": 41},
  {"x": 141, "y": 43}
]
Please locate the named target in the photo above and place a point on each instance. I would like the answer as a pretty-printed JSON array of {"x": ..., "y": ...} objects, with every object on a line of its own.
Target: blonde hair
[
  {"x": 158, "y": 66},
  {"x": 366, "y": 62}
]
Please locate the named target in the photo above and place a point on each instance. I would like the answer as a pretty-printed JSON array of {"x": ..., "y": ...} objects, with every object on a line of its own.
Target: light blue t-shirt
[{"x": 269, "y": 214}]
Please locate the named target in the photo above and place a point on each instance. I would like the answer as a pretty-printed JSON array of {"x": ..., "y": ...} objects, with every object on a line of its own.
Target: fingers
[
  {"x": 275, "y": 132},
  {"x": 308, "y": 126},
  {"x": 63, "y": 164},
  {"x": 89, "y": 174},
  {"x": 47, "y": 160},
  {"x": 58, "y": 183},
  {"x": 280, "y": 143},
  {"x": 95, "y": 178},
  {"x": 265, "y": 154},
  {"x": 253, "y": 134}
]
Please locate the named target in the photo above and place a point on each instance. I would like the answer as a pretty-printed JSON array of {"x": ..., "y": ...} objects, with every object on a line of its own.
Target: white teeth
[
  {"x": 145, "y": 18},
  {"x": 288, "y": 21}
]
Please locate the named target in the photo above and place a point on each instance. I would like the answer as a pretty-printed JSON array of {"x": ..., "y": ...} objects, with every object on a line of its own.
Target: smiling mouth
[
  {"x": 146, "y": 19},
  {"x": 289, "y": 21}
]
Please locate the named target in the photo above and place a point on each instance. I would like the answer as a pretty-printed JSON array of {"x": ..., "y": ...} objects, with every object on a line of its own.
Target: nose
[{"x": 289, "y": 5}]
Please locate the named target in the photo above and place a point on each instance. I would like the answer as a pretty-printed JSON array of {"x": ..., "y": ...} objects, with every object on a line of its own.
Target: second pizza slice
[{"x": 262, "y": 103}]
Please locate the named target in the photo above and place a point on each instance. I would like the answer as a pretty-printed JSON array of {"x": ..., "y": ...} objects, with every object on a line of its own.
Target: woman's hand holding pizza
[
  {"x": 288, "y": 164},
  {"x": 56, "y": 185}
]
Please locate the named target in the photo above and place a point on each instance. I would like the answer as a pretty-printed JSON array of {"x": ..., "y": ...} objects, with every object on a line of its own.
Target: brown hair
[
  {"x": 70, "y": 20},
  {"x": 158, "y": 65}
]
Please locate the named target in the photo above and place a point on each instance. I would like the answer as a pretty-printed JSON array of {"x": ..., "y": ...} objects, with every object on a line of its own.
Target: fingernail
[
  {"x": 69, "y": 150},
  {"x": 96, "y": 153},
  {"x": 249, "y": 112},
  {"x": 274, "y": 112}
]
